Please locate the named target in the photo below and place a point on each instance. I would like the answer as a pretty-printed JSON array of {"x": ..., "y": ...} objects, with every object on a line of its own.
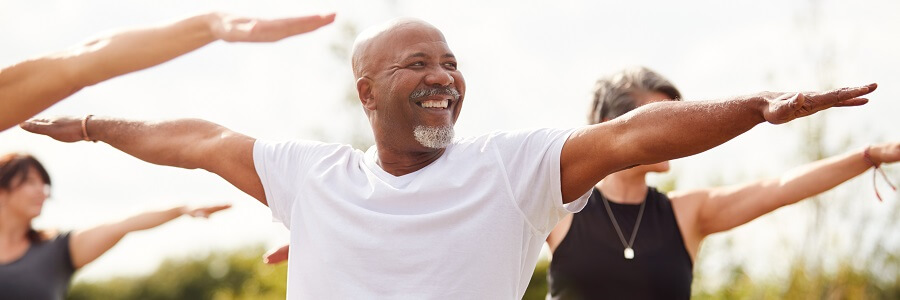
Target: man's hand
[
  {"x": 204, "y": 212},
  {"x": 241, "y": 29},
  {"x": 64, "y": 129},
  {"x": 277, "y": 255},
  {"x": 784, "y": 107}
]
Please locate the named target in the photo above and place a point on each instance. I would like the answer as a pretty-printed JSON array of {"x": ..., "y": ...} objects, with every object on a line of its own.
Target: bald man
[{"x": 424, "y": 215}]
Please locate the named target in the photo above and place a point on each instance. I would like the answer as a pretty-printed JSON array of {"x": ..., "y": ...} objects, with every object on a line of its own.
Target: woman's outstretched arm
[
  {"x": 29, "y": 87},
  {"x": 87, "y": 245},
  {"x": 706, "y": 211}
]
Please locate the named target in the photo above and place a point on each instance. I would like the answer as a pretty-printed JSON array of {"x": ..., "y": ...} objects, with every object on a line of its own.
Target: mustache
[{"x": 434, "y": 91}]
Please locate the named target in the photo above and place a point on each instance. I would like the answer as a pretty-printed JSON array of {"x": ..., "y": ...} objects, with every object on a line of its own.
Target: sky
[{"x": 527, "y": 64}]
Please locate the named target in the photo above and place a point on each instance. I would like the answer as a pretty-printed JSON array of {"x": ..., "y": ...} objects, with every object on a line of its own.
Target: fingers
[
  {"x": 273, "y": 30},
  {"x": 853, "y": 102},
  {"x": 796, "y": 101},
  {"x": 276, "y": 256},
  {"x": 65, "y": 129},
  {"x": 33, "y": 125},
  {"x": 240, "y": 29},
  {"x": 314, "y": 22},
  {"x": 306, "y": 24},
  {"x": 216, "y": 208},
  {"x": 38, "y": 125},
  {"x": 849, "y": 96},
  {"x": 207, "y": 211},
  {"x": 852, "y": 92}
]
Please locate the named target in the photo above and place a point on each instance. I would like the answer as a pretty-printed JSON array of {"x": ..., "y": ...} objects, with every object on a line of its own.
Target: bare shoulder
[
  {"x": 688, "y": 199},
  {"x": 686, "y": 205}
]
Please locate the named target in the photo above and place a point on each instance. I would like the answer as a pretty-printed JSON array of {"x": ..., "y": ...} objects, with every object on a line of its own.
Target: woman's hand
[{"x": 204, "y": 212}]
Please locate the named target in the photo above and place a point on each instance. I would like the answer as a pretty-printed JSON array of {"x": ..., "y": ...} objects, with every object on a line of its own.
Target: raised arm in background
[
  {"x": 703, "y": 212},
  {"x": 29, "y": 87},
  {"x": 87, "y": 245}
]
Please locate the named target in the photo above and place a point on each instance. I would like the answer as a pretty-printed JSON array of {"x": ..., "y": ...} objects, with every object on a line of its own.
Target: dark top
[
  {"x": 589, "y": 263},
  {"x": 42, "y": 273}
]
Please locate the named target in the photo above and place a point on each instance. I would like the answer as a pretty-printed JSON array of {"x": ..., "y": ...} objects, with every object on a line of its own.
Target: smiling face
[{"x": 409, "y": 84}]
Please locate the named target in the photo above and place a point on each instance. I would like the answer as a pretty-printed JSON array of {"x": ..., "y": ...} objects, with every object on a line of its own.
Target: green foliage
[
  {"x": 242, "y": 275},
  {"x": 538, "y": 287},
  {"x": 846, "y": 283},
  {"x": 225, "y": 275}
]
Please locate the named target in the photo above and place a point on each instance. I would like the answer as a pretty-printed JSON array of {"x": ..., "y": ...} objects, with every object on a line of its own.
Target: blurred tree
[
  {"x": 351, "y": 116},
  {"x": 359, "y": 132},
  {"x": 538, "y": 286},
  {"x": 222, "y": 275}
]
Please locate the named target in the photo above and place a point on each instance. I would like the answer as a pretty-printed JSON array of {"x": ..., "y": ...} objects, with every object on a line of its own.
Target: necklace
[{"x": 629, "y": 252}]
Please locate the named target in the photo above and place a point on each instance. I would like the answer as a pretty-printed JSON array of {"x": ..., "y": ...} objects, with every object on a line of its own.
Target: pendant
[{"x": 629, "y": 253}]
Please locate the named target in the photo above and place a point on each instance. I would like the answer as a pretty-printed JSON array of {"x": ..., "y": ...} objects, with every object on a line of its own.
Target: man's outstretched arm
[
  {"x": 672, "y": 129},
  {"x": 31, "y": 86},
  {"x": 184, "y": 143}
]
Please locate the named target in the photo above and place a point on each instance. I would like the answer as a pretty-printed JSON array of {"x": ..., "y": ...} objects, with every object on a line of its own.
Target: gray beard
[{"x": 434, "y": 137}]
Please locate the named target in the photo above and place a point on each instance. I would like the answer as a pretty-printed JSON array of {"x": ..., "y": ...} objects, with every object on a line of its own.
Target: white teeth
[{"x": 435, "y": 103}]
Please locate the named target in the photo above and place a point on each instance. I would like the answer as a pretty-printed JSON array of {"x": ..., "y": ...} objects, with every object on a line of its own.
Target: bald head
[
  {"x": 408, "y": 84},
  {"x": 375, "y": 44}
]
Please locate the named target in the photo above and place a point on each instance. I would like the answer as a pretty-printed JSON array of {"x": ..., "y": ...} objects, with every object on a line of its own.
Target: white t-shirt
[{"x": 468, "y": 226}]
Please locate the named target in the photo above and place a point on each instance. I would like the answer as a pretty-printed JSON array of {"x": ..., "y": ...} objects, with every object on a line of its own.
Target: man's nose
[{"x": 440, "y": 77}]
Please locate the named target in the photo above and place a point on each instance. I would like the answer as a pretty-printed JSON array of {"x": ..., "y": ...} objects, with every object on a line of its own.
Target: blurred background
[{"x": 526, "y": 65}]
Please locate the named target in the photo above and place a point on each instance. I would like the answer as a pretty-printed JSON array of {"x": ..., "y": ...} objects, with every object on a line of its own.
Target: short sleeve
[
  {"x": 62, "y": 246},
  {"x": 532, "y": 163},
  {"x": 282, "y": 168}
]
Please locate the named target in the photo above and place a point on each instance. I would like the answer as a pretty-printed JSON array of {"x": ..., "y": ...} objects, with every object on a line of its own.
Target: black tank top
[{"x": 589, "y": 263}]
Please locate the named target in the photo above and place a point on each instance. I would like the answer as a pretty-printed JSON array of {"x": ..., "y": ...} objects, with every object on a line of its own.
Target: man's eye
[
  {"x": 450, "y": 65},
  {"x": 417, "y": 64}
]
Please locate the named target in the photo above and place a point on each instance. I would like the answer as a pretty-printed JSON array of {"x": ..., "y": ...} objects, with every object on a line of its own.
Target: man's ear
[{"x": 366, "y": 96}]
